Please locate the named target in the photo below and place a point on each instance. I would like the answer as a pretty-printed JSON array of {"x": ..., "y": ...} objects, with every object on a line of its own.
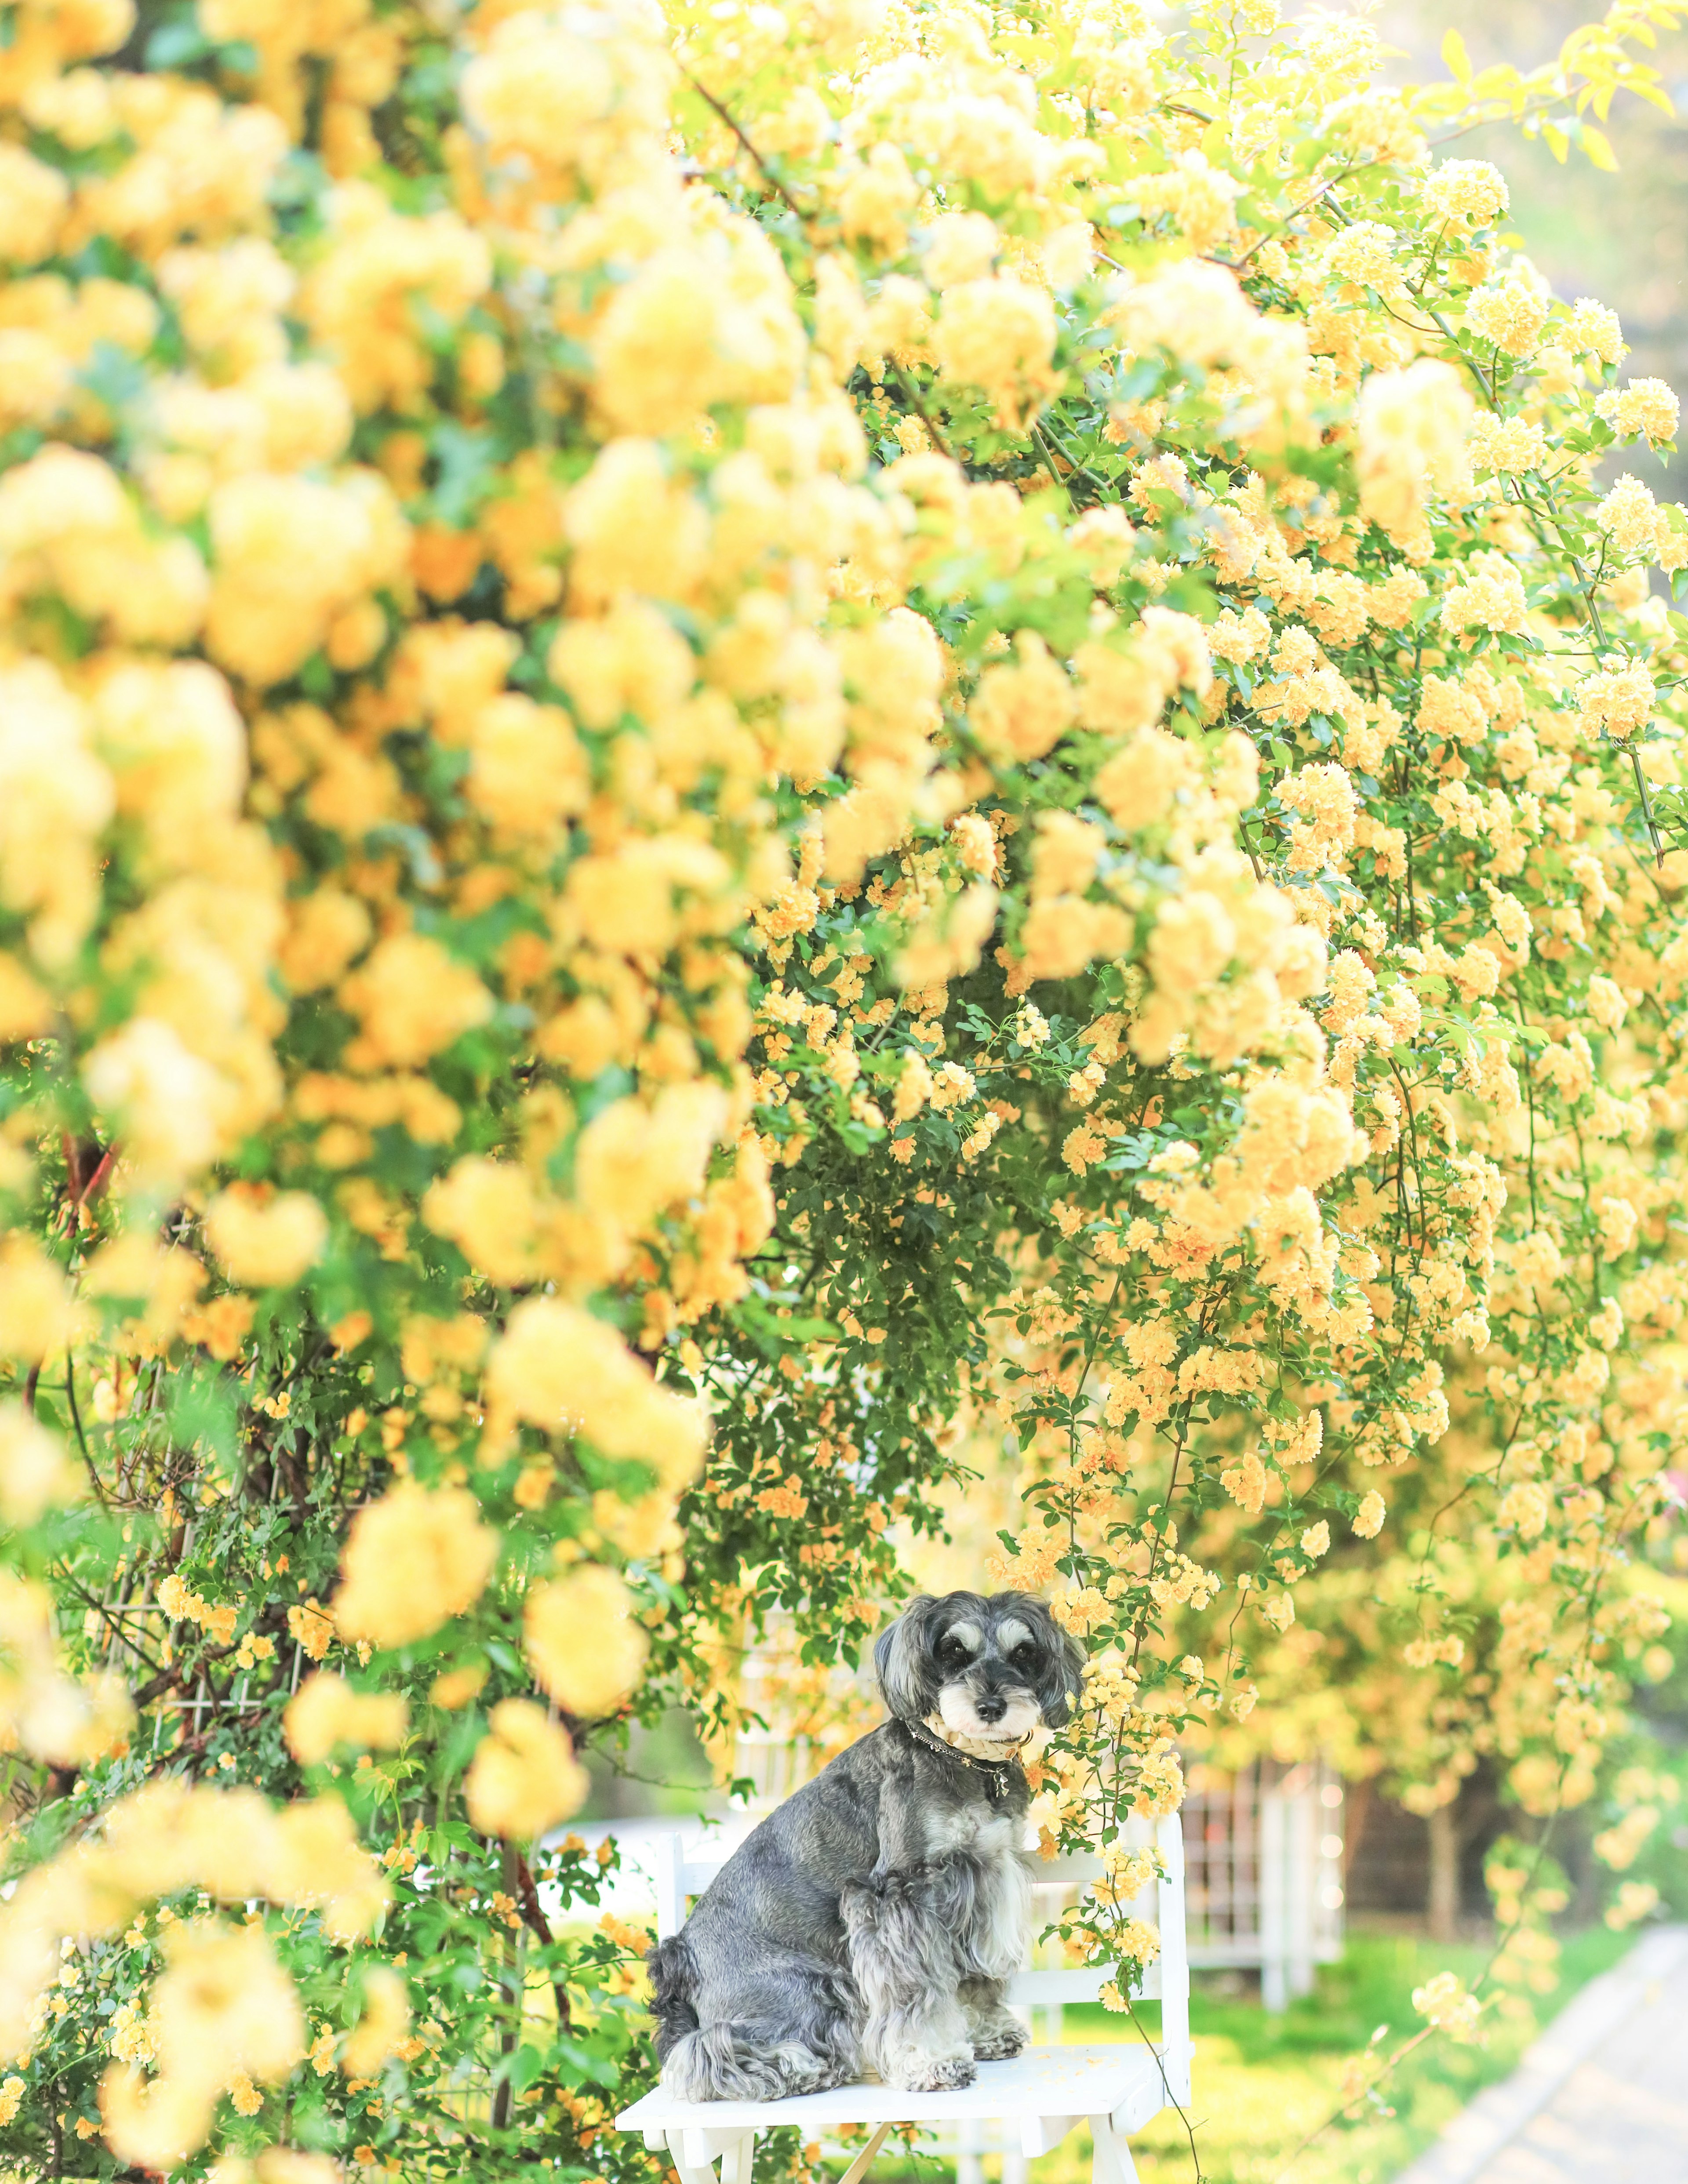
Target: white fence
[{"x": 1263, "y": 1851}]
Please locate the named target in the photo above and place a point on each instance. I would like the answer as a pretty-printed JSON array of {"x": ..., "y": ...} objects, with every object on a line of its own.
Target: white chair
[{"x": 1042, "y": 2094}]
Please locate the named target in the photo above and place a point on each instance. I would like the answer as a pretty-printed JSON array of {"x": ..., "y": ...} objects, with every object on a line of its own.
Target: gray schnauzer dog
[{"x": 876, "y": 1917}]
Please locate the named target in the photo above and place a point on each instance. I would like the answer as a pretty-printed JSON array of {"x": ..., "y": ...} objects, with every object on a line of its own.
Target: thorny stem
[
  {"x": 1142, "y": 2030},
  {"x": 533, "y": 1914},
  {"x": 77, "y": 1420},
  {"x": 768, "y": 175},
  {"x": 906, "y": 381},
  {"x": 1647, "y": 804},
  {"x": 1047, "y": 460}
]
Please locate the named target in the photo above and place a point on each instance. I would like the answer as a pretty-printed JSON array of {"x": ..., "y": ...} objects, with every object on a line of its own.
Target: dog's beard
[{"x": 957, "y": 1718}]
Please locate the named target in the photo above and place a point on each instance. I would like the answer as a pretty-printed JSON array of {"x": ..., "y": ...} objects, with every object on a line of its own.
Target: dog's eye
[{"x": 1023, "y": 1654}]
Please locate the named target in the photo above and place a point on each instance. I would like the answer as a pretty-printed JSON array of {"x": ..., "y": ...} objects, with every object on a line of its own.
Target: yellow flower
[
  {"x": 524, "y": 1777},
  {"x": 35, "y": 1471},
  {"x": 1592, "y": 330},
  {"x": 384, "y": 2021},
  {"x": 1411, "y": 427},
  {"x": 33, "y": 198},
  {"x": 579, "y": 1633},
  {"x": 326, "y": 1712},
  {"x": 412, "y": 999},
  {"x": 328, "y": 928},
  {"x": 526, "y": 768},
  {"x": 487, "y": 1207},
  {"x": 559, "y": 1367},
  {"x": 1020, "y": 712},
  {"x": 413, "y": 1560},
  {"x": 288, "y": 553},
  {"x": 37, "y": 1313},
  {"x": 266, "y": 1242},
  {"x": 1445, "y": 2003},
  {"x": 224, "y": 2012},
  {"x": 1647, "y": 407},
  {"x": 633, "y": 1161},
  {"x": 167, "y": 1103},
  {"x": 998, "y": 334},
  {"x": 1468, "y": 192}
]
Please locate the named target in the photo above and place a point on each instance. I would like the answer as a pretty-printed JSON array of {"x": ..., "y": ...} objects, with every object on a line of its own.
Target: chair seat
[{"x": 1043, "y": 2081}]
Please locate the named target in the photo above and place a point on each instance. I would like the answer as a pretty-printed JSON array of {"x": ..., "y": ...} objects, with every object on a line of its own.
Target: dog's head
[{"x": 994, "y": 1669}]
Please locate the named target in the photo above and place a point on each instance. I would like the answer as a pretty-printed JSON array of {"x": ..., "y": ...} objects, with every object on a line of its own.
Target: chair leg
[
  {"x": 1113, "y": 2164},
  {"x": 689, "y": 2171},
  {"x": 736, "y": 2162},
  {"x": 1013, "y": 2165}
]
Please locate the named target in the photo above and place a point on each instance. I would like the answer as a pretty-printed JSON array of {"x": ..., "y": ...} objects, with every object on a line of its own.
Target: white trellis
[
  {"x": 138, "y": 1634},
  {"x": 1263, "y": 1849}
]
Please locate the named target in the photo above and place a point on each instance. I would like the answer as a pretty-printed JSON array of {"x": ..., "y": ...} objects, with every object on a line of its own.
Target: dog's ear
[
  {"x": 902, "y": 1663},
  {"x": 1067, "y": 1682}
]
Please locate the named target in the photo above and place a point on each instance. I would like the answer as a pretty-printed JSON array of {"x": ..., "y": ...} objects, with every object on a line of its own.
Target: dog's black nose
[{"x": 992, "y": 1710}]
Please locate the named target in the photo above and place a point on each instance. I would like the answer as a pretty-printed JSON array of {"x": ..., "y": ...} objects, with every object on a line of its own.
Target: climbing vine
[{"x": 739, "y": 750}]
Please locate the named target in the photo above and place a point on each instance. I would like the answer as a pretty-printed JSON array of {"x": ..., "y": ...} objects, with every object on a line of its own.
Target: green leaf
[
  {"x": 1596, "y": 144},
  {"x": 1455, "y": 57}
]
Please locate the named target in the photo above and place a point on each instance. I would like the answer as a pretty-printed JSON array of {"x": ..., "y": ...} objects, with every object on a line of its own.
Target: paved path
[{"x": 1600, "y": 2098}]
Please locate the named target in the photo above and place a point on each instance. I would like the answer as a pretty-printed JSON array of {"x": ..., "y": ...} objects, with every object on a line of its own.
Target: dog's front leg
[
  {"x": 992, "y": 2028},
  {"x": 915, "y": 2032}
]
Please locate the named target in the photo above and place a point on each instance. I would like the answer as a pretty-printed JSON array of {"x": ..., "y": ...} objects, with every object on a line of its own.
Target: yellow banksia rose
[
  {"x": 266, "y": 1242},
  {"x": 35, "y": 1470},
  {"x": 326, "y": 1712},
  {"x": 383, "y": 2024},
  {"x": 557, "y": 1367},
  {"x": 1412, "y": 425},
  {"x": 37, "y": 1313},
  {"x": 413, "y": 1560},
  {"x": 524, "y": 1777},
  {"x": 634, "y": 1161},
  {"x": 223, "y": 2007},
  {"x": 487, "y": 1207},
  {"x": 51, "y": 1715},
  {"x": 586, "y": 1649},
  {"x": 413, "y": 997}
]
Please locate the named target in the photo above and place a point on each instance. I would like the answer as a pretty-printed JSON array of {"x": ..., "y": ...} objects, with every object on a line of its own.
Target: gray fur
[{"x": 875, "y": 1918}]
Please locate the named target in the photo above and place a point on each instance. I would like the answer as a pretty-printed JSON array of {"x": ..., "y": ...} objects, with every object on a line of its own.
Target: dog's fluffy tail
[
  {"x": 673, "y": 1980},
  {"x": 739, "y": 2062},
  {"x": 732, "y": 2063}
]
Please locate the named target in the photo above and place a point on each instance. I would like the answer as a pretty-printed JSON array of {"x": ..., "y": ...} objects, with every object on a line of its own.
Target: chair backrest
[
  {"x": 683, "y": 1869},
  {"x": 1166, "y": 1980}
]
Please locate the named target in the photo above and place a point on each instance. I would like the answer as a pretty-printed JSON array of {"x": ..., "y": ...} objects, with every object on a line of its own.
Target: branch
[
  {"x": 906, "y": 381},
  {"x": 534, "y": 1918},
  {"x": 761, "y": 165}
]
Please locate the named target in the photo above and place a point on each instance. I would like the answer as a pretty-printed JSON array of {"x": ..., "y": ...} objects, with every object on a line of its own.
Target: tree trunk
[{"x": 1443, "y": 1901}]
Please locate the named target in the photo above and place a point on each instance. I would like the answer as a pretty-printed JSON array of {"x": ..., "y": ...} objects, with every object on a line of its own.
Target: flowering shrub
[{"x": 729, "y": 743}]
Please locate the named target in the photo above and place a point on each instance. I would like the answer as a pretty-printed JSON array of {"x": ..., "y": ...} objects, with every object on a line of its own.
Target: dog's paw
[
  {"x": 1003, "y": 2040},
  {"x": 943, "y": 2072}
]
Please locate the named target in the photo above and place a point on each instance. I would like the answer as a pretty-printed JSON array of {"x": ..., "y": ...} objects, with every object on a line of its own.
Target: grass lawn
[{"x": 1262, "y": 2082}]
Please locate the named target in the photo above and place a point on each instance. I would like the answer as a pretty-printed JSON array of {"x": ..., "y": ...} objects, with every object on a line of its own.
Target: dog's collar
[{"x": 938, "y": 1736}]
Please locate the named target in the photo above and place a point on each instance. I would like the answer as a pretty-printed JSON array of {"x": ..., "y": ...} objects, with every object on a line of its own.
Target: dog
[{"x": 874, "y": 1919}]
